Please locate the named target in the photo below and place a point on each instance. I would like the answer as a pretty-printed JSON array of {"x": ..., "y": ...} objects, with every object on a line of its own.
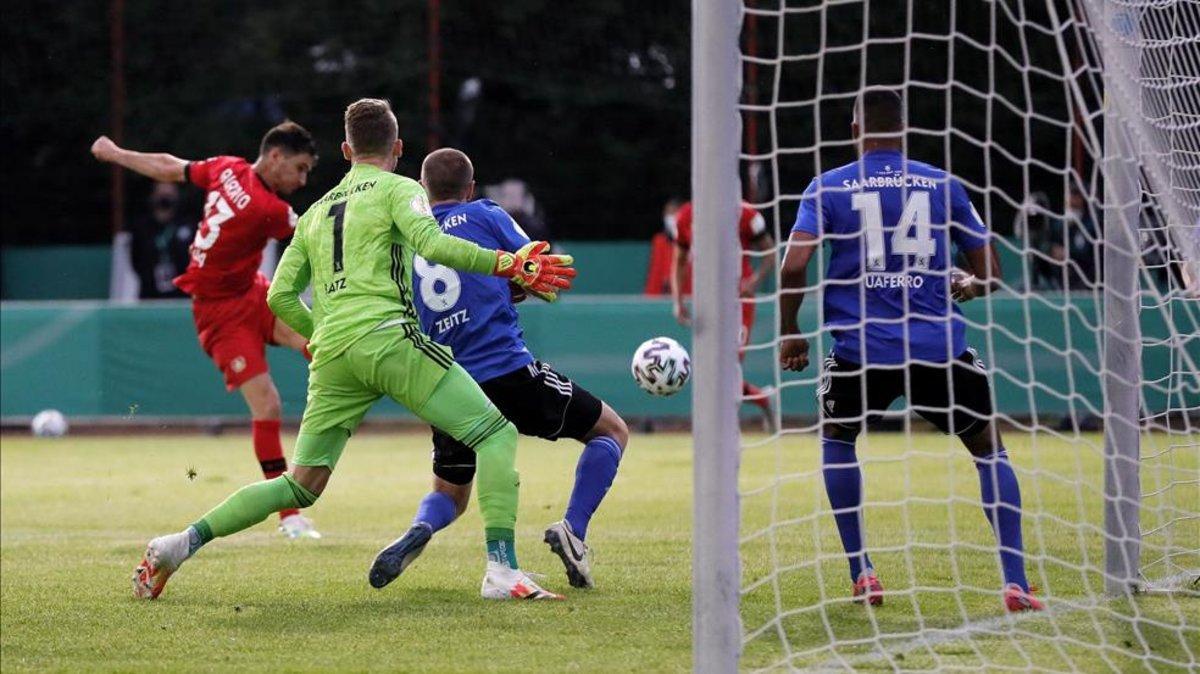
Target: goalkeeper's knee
[
  {"x": 500, "y": 434},
  {"x": 305, "y": 492}
]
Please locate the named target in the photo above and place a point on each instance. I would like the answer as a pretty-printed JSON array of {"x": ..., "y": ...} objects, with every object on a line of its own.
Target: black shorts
[
  {"x": 538, "y": 401},
  {"x": 956, "y": 396}
]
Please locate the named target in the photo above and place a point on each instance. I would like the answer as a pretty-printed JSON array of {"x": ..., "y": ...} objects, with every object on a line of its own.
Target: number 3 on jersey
[
  {"x": 216, "y": 211},
  {"x": 433, "y": 275},
  {"x": 916, "y": 214}
]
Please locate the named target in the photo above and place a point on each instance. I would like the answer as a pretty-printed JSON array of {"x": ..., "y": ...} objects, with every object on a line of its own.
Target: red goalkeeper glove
[{"x": 539, "y": 273}]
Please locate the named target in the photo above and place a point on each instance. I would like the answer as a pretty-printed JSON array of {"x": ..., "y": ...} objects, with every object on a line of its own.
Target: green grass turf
[
  {"x": 75, "y": 513},
  {"x": 934, "y": 552}
]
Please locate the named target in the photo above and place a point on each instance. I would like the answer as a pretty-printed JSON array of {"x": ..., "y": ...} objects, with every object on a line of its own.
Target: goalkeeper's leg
[
  {"x": 337, "y": 402},
  {"x": 459, "y": 408}
]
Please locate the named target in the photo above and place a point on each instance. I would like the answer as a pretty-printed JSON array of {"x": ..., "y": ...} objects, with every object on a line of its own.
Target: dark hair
[
  {"x": 289, "y": 137},
  {"x": 880, "y": 111},
  {"x": 446, "y": 174},
  {"x": 370, "y": 126}
]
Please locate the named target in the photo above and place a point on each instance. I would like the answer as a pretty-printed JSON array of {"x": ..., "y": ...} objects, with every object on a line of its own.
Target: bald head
[{"x": 448, "y": 175}]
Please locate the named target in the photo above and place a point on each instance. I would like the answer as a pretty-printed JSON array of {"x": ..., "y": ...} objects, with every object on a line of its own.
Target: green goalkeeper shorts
[{"x": 402, "y": 363}]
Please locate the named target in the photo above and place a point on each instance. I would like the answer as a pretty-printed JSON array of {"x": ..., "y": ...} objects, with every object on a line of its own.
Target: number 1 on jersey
[{"x": 337, "y": 211}]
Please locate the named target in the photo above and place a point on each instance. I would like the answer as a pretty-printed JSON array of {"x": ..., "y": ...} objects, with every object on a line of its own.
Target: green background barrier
[
  {"x": 55, "y": 272},
  {"x": 82, "y": 272},
  {"x": 95, "y": 359}
]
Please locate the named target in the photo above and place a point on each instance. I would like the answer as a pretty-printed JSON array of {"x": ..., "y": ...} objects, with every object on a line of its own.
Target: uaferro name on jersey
[{"x": 889, "y": 222}]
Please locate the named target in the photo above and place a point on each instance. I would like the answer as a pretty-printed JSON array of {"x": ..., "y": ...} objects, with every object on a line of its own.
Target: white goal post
[{"x": 1075, "y": 127}]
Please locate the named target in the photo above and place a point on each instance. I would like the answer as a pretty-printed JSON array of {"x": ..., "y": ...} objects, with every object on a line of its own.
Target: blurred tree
[{"x": 589, "y": 107}]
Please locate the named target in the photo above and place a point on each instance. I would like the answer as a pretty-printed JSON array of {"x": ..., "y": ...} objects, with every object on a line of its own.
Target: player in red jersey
[
  {"x": 242, "y": 210},
  {"x": 753, "y": 235}
]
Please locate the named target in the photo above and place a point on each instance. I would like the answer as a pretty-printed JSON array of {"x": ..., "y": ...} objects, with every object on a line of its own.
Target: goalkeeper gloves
[{"x": 540, "y": 274}]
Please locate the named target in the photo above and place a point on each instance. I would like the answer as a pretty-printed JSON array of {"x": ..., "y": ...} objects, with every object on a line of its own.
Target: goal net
[{"x": 1074, "y": 126}]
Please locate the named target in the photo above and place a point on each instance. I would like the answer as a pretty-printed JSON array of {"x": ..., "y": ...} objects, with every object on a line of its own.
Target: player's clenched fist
[
  {"x": 104, "y": 149},
  {"x": 540, "y": 274},
  {"x": 793, "y": 354},
  {"x": 964, "y": 287}
]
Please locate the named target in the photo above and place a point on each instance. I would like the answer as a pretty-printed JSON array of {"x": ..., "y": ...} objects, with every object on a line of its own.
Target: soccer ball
[
  {"x": 49, "y": 424},
  {"x": 661, "y": 366}
]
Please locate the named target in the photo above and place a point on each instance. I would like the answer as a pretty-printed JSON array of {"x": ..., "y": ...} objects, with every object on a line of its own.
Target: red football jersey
[
  {"x": 751, "y": 225},
  {"x": 240, "y": 214}
]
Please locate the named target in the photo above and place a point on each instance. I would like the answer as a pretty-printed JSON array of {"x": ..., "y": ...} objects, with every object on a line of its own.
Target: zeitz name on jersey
[
  {"x": 457, "y": 318},
  {"x": 890, "y": 181}
]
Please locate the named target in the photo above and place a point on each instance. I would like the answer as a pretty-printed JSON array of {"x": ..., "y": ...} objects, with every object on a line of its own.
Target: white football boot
[
  {"x": 163, "y": 557},
  {"x": 572, "y": 551},
  {"x": 501, "y": 582},
  {"x": 298, "y": 526}
]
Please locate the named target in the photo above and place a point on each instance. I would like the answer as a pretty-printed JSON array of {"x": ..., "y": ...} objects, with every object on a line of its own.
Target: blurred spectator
[
  {"x": 669, "y": 210},
  {"x": 514, "y": 197},
  {"x": 1161, "y": 258},
  {"x": 1080, "y": 239},
  {"x": 1042, "y": 235},
  {"x": 159, "y": 242}
]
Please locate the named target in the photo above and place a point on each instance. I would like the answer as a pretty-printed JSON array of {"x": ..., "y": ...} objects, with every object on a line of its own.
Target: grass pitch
[{"x": 76, "y": 512}]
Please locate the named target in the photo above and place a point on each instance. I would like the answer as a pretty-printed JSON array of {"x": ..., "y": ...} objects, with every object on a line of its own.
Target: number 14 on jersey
[{"x": 910, "y": 237}]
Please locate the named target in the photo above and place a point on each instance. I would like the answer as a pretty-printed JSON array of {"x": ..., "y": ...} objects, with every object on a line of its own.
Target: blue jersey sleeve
[
  {"x": 508, "y": 232},
  {"x": 809, "y": 219},
  {"x": 967, "y": 231}
]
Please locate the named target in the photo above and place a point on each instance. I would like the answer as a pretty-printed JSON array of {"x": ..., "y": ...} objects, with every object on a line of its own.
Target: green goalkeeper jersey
[{"x": 355, "y": 245}]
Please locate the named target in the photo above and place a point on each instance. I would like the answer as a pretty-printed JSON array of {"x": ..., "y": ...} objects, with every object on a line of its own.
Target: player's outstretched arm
[
  {"x": 292, "y": 276},
  {"x": 793, "y": 351},
  {"x": 155, "y": 165},
  {"x": 535, "y": 270},
  {"x": 766, "y": 264},
  {"x": 531, "y": 267}
]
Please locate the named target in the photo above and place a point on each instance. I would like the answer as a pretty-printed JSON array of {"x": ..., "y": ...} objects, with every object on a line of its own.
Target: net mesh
[{"x": 1011, "y": 97}]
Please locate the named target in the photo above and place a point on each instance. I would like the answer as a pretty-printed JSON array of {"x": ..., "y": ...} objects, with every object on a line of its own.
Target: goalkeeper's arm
[
  {"x": 155, "y": 165},
  {"x": 531, "y": 267},
  {"x": 292, "y": 276},
  {"x": 793, "y": 351}
]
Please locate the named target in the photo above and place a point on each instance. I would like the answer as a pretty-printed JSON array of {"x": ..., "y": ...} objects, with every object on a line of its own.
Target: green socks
[
  {"x": 250, "y": 505},
  {"x": 500, "y": 547}
]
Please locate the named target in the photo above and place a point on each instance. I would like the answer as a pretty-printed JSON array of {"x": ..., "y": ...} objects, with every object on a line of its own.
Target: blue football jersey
[
  {"x": 889, "y": 222},
  {"x": 473, "y": 314}
]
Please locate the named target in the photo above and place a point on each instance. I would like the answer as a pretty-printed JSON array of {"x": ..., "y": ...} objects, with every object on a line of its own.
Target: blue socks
[
  {"x": 1002, "y": 505},
  {"x": 593, "y": 476},
  {"x": 998, "y": 486},
  {"x": 843, "y": 485},
  {"x": 437, "y": 510}
]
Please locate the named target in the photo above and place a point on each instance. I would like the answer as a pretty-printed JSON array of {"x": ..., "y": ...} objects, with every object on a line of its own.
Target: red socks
[
  {"x": 755, "y": 396},
  {"x": 269, "y": 451}
]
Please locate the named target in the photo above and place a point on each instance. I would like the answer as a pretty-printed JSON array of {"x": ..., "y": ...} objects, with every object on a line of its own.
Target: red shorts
[{"x": 235, "y": 332}]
